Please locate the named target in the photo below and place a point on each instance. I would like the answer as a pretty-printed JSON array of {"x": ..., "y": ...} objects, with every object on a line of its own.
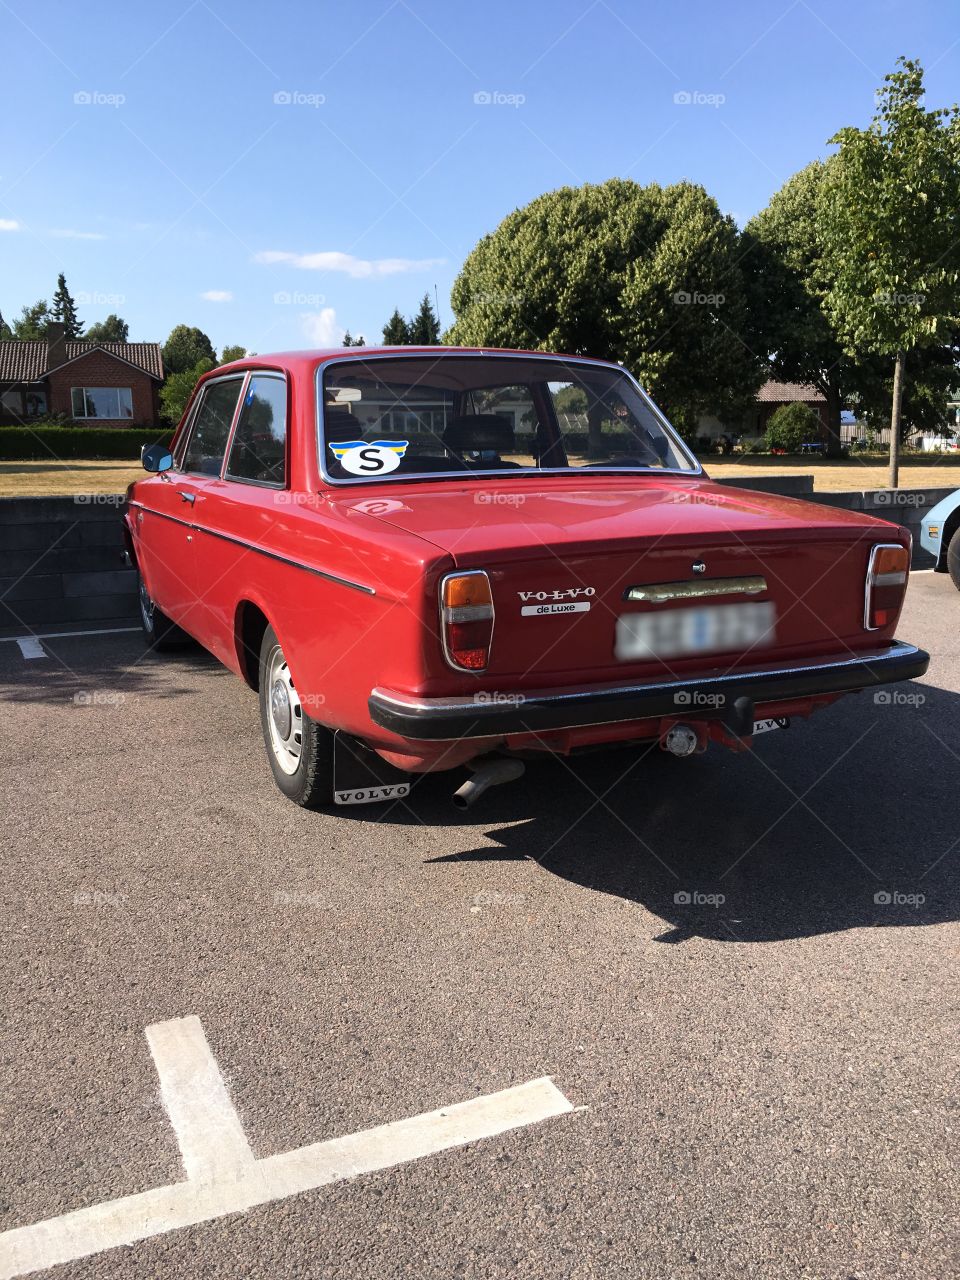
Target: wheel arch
[
  {"x": 951, "y": 527},
  {"x": 250, "y": 623}
]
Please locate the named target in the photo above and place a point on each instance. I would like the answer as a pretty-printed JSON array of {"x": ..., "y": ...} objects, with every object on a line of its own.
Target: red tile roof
[
  {"x": 30, "y": 361},
  {"x": 789, "y": 392}
]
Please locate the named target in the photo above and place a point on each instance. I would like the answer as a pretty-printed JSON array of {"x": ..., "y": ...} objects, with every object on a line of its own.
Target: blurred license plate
[{"x": 673, "y": 633}]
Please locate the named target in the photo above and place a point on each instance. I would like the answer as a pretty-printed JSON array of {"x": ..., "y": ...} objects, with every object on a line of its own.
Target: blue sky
[{"x": 276, "y": 173}]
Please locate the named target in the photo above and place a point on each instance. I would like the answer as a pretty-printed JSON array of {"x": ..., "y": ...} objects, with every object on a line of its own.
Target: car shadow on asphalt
[{"x": 847, "y": 820}]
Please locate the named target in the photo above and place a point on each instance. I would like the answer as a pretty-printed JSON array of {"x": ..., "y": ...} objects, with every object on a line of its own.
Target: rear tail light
[
  {"x": 886, "y": 584},
  {"x": 466, "y": 619}
]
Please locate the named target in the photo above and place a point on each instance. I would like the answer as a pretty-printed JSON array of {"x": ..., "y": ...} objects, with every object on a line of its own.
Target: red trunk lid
[{"x": 578, "y": 545}]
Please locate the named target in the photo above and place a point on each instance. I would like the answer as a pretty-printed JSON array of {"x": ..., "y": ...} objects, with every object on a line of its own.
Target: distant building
[
  {"x": 768, "y": 399},
  {"x": 104, "y": 384}
]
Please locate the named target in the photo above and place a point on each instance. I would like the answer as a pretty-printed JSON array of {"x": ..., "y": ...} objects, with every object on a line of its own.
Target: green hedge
[{"x": 40, "y": 443}]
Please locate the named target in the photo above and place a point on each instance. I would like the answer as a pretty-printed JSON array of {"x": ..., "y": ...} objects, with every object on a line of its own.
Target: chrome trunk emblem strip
[{"x": 662, "y": 592}]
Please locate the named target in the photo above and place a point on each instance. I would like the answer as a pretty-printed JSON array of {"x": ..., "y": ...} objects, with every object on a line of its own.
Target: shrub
[
  {"x": 792, "y": 425},
  {"x": 756, "y": 444},
  {"x": 48, "y": 443}
]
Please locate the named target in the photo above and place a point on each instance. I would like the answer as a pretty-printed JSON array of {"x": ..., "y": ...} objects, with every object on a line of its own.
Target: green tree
[
  {"x": 178, "y": 387},
  {"x": 425, "y": 327},
  {"x": 647, "y": 275},
  {"x": 889, "y": 213},
  {"x": 790, "y": 426},
  {"x": 113, "y": 329},
  {"x": 185, "y": 348},
  {"x": 788, "y": 279},
  {"x": 350, "y": 341},
  {"x": 232, "y": 353},
  {"x": 32, "y": 322},
  {"x": 65, "y": 309},
  {"x": 396, "y": 332},
  {"x": 6, "y": 333}
]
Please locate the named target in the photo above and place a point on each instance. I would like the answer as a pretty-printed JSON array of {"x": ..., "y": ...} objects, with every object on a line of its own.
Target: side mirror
[{"x": 156, "y": 457}]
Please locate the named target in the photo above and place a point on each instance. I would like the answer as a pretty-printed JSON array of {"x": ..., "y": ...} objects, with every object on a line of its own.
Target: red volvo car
[{"x": 425, "y": 558}]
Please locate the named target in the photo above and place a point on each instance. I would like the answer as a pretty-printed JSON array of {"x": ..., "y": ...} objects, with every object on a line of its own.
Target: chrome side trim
[
  {"x": 251, "y": 546},
  {"x": 661, "y": 592}
]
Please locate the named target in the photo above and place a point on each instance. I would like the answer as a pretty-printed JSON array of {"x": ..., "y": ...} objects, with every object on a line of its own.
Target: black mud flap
[{"x": 360, "y": 776}]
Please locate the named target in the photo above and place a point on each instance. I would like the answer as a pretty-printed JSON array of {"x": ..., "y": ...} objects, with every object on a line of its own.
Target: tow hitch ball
[
  {"x": 680, "y": 740},
  {"x": 486, "y": 774}
]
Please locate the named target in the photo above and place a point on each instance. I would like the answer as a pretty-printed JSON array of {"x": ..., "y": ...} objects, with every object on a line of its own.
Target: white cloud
[
  {"x": 67, "y": 233},
  {"x": 321, "y": 327},
  {"x": 359, "y": 268},
  {"x": 217, "y": 295},
  {"x": 9, "y": 224}
]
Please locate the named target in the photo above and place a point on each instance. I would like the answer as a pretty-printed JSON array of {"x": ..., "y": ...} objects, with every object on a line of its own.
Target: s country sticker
[{"x": 369, "y": 458}]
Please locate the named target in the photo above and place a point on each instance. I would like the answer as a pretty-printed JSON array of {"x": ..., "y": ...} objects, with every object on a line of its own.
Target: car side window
[
  {"x": 259, "y": 449},
  {"x": 211, "y": 427}
]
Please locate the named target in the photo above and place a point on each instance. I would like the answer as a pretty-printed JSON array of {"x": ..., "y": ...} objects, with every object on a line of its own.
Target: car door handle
[{"x": 187, "y": 497}]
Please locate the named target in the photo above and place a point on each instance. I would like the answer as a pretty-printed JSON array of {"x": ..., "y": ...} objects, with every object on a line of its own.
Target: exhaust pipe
[{"x": 489, "y": 773}]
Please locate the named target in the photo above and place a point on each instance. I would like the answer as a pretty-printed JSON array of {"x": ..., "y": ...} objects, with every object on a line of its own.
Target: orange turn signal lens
[
  {"x": 887, "y": 575},
  {"x": 466, "y": 619}
]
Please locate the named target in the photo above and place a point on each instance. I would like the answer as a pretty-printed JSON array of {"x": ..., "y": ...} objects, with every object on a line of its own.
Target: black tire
[
  {"x": 300, "y": 750},
  {"x": 953, "y": 559},
  {"x": 158, "y": 631}
]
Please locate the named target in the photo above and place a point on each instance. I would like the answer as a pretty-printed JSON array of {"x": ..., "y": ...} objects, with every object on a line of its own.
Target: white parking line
[
  {"x": 60, "y": 635},
  {"x": 208, "y": 1129},
  {"x": 222, "y": 1175},
  {"x": 31, "y": 647}
]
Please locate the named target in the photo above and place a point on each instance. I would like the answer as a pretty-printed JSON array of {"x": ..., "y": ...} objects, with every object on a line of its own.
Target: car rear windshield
[{"x": 390, "y": 417}]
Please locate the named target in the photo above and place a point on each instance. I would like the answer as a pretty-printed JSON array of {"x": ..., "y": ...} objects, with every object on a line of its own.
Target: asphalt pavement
[{"x": 740, "y": 971}]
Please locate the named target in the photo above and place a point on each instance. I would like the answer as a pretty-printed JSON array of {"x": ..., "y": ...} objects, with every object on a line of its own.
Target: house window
[{"x": 102, "y": 402}]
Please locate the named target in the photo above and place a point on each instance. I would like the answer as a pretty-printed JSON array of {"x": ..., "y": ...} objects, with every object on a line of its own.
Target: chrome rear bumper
[{"x": 494, "y": 714}]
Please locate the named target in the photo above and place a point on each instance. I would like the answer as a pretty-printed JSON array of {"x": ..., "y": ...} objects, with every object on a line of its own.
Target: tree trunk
[
  {"x": 894, "y": 480},
  {"x": 834, "y": 405}
]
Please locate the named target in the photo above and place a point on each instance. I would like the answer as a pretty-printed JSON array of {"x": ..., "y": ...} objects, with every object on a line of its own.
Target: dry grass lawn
[{"x": 48, "y": 479}]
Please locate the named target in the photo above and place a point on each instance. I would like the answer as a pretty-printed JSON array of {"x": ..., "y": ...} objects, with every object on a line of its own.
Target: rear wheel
[
  {"x": 953, "y": 559},
  {"x": 158, "y": 631},
  {"x": 300, "y": 751}
]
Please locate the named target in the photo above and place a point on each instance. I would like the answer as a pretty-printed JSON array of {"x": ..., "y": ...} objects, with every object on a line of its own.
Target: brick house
[
  {"x": 103, "y": 384},
  {"x": 772, "y": 395},
  {"x": 768, "y": 399}
]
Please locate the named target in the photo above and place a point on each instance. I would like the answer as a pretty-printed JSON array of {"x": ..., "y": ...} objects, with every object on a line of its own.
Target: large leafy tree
[
  {"x": 396, "y": 332},
  {"x": 425, "y": 327},
  {"x": 177, "y": 389},
  {"x": 32, "y": 322},
  {"x": 889, "y": 213},
  {"x": 65, "y": 309},
  {"x": 234, "y": 352},
  {"x": 113, "y": 329},
  {"x": 185, "y": 348},
  {"x": 647, "y": 275},
  {"x": 788, "y": 279},
  {"x": 6, "y": 333}
]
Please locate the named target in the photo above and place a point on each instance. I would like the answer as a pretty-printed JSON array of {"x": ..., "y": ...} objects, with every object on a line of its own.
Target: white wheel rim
[{"x": 284, "y": 713}]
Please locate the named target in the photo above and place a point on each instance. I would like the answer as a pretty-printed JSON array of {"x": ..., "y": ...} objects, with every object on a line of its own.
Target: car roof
[{"x": 309, "y": 360}]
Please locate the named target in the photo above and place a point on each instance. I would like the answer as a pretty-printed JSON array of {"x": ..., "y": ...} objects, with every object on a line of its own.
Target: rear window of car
[
  {"x": 211, "y": 427},
  {"x": 384, "y": 417},
  {"x": 258, "y": 453}
]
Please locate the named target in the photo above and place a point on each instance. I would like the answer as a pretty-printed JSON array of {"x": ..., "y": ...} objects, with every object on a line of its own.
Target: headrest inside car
[
  {"x": 479, "y": 431},
  {"x": 340, "y": 424}
]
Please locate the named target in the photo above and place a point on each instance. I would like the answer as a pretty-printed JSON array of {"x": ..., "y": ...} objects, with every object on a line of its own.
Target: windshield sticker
[{"x": 369, "y": 458}]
